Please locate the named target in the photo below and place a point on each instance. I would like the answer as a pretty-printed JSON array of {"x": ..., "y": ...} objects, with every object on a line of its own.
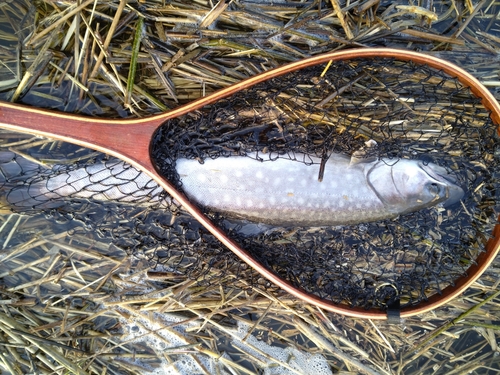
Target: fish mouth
[{"x": 453, "y": 192}]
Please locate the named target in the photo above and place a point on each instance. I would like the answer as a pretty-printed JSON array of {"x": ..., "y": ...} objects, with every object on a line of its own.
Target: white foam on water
[
  {"x": 152, "y": 334},
  {"x": 140, "y": 330},
  {"x": 302, "y": 362}
]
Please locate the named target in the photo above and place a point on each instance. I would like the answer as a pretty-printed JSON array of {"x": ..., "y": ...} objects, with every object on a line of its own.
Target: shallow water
[{"x": 84, "y": 241}]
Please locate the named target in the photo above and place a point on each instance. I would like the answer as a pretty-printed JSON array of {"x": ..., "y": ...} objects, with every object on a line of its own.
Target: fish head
[{"x": 410, "y": 185}]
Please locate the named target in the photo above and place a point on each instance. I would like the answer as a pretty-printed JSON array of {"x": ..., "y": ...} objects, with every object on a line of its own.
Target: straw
[{"x": 68, "y": 296}]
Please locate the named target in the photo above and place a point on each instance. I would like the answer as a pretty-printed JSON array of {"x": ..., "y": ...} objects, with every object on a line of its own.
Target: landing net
[{"x": 411, "y": 111}]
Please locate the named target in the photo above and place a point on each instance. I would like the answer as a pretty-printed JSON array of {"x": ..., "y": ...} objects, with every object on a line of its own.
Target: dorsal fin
[{"x": 365, "y": 154}]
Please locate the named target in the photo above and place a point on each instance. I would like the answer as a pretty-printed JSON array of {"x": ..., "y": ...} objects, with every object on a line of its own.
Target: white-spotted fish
[
  {"x": 281, "y": 192},
  {"x": 288, "y": 192}
]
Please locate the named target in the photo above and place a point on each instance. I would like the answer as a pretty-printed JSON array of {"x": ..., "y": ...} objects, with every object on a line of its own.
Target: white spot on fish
[{"x": 293, "y": 189}]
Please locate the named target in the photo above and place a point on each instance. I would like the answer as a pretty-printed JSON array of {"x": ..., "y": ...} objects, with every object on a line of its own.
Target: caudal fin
[
  {"x": 18, "y": 190},
  {"x": 26, "y": 186}
]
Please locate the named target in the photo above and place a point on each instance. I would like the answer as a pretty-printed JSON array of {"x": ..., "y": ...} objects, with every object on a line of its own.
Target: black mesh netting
[{"x": 411, "y": 111}]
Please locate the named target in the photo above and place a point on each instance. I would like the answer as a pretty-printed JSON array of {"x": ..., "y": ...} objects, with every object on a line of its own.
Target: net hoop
[{"x": 121, "y": 138}]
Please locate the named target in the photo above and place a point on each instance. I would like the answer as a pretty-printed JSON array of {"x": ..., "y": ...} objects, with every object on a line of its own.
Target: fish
[
  {"x": 287, "y": 191},
  {"x": 262, "y": 188}
]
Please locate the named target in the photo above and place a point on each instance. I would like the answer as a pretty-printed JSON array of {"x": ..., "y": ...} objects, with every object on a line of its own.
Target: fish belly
[{"x": 283, "y": 192}]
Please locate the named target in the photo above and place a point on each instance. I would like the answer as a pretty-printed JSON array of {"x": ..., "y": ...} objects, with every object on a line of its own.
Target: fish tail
[
  {"x": 20, "y": 188},
  {"x": 26, "y": 186}
]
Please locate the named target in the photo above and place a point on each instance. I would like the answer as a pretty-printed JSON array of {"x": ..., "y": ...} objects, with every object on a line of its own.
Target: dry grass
[{"x": 68, "y": 299}]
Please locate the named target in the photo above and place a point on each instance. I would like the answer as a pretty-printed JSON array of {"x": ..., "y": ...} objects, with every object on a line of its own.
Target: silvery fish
[
  {"x": 281, "y": 192},
  {"x": 27, "y": 185},
  {"x": 288, "y": 192}
]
